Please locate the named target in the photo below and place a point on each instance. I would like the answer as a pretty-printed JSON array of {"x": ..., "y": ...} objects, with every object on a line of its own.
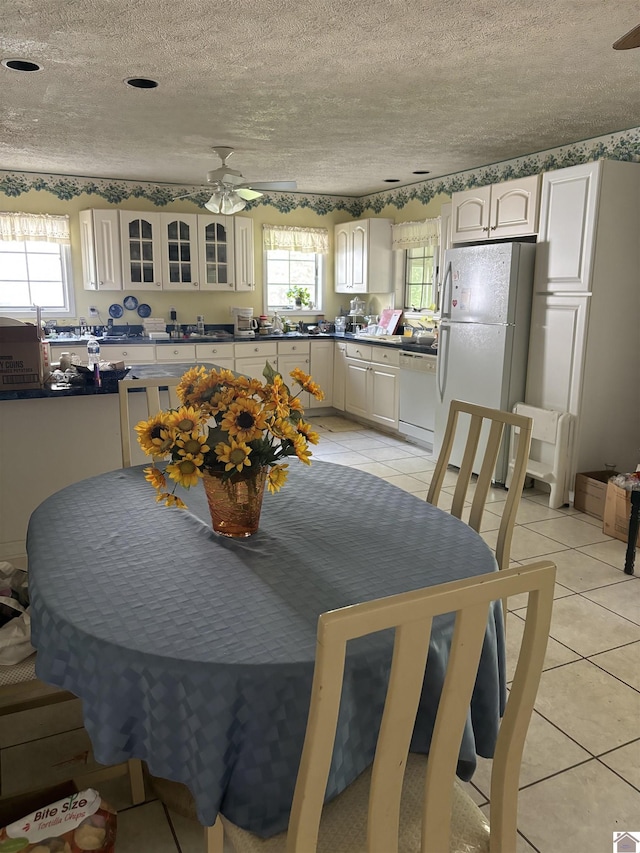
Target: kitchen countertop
[{"x": 53, "y": 390}]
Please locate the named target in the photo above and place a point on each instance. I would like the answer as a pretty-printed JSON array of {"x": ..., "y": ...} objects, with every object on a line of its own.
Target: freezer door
[
  {"x": 474, "y": 365},
  {"x": 481, "y": 284}
]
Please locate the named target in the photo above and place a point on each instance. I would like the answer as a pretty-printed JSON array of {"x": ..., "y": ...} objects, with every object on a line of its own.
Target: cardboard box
[
  {"x": 616, "y": 513},
  {"x": 590, "y": 492},
  {"x": 24, "y": 358}
]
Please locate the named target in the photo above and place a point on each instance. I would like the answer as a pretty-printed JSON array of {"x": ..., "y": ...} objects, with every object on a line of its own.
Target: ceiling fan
[
  {"x": 628, "y": 40},
  {"x": 231, "y": 191}
]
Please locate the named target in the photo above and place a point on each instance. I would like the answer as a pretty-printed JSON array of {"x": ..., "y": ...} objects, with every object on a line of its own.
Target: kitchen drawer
[
  {"x": 293, "y": 347},
  {"x": 358, "y": 350},
  {"x": 253, "y": 350},
  {"x": 45, "y": 761},
  {"x": 214, "y": 352},
  {"x": 131, "y": 354},
  {"x": 385, "y": 355},
  {"x": 176, "y": 352}
]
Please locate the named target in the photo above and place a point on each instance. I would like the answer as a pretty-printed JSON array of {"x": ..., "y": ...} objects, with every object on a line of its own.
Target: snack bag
[{"x": 78, "y": 824}]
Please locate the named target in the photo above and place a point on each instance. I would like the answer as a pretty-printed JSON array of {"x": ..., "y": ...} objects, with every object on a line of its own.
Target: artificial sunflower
[{"x": 234, "y": 455}]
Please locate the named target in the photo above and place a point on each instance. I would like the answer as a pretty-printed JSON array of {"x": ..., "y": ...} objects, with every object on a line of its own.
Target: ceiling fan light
[
  {"x": 215, "y": 202},
  {"x": 232, "y": 203}
]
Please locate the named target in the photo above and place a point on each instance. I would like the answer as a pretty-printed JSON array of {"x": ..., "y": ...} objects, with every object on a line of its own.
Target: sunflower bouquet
[{"x": 229, "y": 426}]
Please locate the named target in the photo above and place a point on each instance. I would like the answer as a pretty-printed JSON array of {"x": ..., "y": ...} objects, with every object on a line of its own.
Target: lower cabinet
[
  {"x": 292, "y": 356},
  {"x": 219, "y": 354},
  {"x": 321, "y": 370},
  {"x": 250, "y": 358},
  {"x": 372, "y": 383},
  {"x": 339, "y": 375}
]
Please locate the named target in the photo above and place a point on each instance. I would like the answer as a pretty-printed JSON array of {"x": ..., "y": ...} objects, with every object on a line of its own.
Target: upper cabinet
[
  {"x": 496, "y": 212},
  {"x": 100, "y": 243},
  {"x": 363, "y": 256},
  {"x": 166, "y": 251}
]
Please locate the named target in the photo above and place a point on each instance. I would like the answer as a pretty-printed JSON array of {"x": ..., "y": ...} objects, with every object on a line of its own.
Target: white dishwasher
[{"x": 417, "y": 395}]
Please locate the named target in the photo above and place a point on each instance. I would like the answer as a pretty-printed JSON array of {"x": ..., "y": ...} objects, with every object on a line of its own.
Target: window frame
[
  {"x": 319, "y": 286},
  {"x": 432, "y": 284},
  {"x": 68, "y": 310}
]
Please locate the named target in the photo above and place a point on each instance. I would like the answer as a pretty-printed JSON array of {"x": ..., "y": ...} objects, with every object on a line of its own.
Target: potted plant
[{"x": 300, "y": 296}]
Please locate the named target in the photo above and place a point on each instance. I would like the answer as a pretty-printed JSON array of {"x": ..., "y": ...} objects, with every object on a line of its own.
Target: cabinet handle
[
  {"x": 158, "y": 284},
  {"x": 493, "y": 227},
  {"x": 176, "y": 352},
  {"x": 124, "y": 352},
  {"x": 255, "y": 349},
  {"x": 293, "y": 349},
  {"x": 195, "y": 283},
  {"x": 486, "y": 228}
]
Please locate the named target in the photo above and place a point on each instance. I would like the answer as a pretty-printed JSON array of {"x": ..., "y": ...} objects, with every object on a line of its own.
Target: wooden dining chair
[
  {"x": 406, "y": 800},
  {"x": 499, "y": 423},
  {"x": 151, "y": 387}
]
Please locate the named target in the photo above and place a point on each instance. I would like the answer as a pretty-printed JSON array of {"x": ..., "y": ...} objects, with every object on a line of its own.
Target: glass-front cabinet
[
  {"x": 216, "y": 252},
  {"x": 180, "y": 251},
  {"x": 141, "y": 255}
]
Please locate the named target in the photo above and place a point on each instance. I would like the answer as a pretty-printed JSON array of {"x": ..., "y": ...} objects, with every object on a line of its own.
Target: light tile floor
[{"x": 580, "y": 778}]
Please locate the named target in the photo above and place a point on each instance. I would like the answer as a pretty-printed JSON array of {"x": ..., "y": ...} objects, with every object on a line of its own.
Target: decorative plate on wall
[
  {"x": 144, "y": 310},
  {"x": 130, "y": 303},
  {"x": 115, "y": 311}
]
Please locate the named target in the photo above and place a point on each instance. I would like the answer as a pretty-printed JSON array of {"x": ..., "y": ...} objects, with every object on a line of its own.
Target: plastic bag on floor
[{"x": 15, "y": 618}]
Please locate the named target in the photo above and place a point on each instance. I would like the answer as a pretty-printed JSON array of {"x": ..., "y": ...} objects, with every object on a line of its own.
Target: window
[
  {"x": 419, "y": 289},
  {"x": 294, "y": 261},
  {"x": 35, "y": 265}
]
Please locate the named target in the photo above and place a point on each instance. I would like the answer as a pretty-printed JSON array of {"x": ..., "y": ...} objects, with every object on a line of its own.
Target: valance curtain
[
  {"x": 32, "y": 226},
  {"x": 412, "y": 235},
  {"x": 291, "y": 238}
]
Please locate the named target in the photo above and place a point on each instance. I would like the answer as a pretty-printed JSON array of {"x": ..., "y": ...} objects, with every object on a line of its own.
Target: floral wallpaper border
[{"x": 622, "y": 145}]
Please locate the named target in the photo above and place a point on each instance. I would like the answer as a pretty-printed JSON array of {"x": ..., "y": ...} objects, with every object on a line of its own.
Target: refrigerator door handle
[
  {"x": 445, "y": 310},
  {"x": 443, "y": 358}
]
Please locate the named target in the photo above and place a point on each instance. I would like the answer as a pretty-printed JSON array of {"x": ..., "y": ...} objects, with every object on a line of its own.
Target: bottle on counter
[{"x": 93, "y": 351}]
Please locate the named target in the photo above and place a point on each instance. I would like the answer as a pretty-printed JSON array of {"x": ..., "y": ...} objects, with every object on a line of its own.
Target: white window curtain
[
  {"x": 32, "y": 226},
  {"x": 291, "y": 238},
  {"x": 412, "y": 235}
]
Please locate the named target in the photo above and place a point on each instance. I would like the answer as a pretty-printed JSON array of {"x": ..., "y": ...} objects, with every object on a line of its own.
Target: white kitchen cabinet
[
  {"x": 216, "y": 252},
  {"x": 583, "y": 353},
  {"x": 363, "y": 256},
  {"x": 292, "y": 355},
  {"x": 219, "y": 354},
  {"x": 372, "y": 383},
  {"x": 322, "y": 372},
  {"x": 141, "y": 247},
  {"x": 498, "y": 211},
  {"x": 244, "y": 254},
  {"x": 130, "y": 354},
  {"x": 179, "y": 251},
  {"x": 100, "y": 250},
  {"x": 176, "y": 352},
  {"x": 339, "y": 375},
  {"x": 251, "y": 357}
]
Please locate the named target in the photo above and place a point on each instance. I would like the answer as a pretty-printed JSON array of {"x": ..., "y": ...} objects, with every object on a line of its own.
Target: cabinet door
[
  {"x": 470, "y": 211},
  {"x": 254, "y": 367},
  {"x": 342, "y": 255},
  {"x": 564, "y": 256},
  {"x": 244, "y": 253},
  {"x": 287, "y": 363},
  {"x": 100, "y": 248},
  {"x": 141, "y": 250},
  {"x": 339, "y": 375},
  {"x": 215, "y": 252},
  {"x": 514, "y": 208},
  {"x": 383, "y": 395},
  {"x": 360, "y": 256},
  {"x": 356, "y": 387},
  {"x": 322, "y": 372},
  {"x": 179, "y": 239}
]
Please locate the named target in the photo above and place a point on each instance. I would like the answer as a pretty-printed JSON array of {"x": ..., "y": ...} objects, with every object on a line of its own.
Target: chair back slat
[
  {"x": 411, "y": 615},
  {"x": 498, "y": 421}
]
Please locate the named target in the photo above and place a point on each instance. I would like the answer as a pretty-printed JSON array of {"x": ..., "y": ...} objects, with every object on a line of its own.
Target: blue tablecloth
[{"x": 195, "y": 652}]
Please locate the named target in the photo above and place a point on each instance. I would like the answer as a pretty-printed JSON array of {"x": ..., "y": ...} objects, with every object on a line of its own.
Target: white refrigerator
[{"x": 484, "y": 335}]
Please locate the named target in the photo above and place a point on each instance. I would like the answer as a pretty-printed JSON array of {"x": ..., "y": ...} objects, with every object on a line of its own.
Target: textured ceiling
[{"x": 335, "y": 95}]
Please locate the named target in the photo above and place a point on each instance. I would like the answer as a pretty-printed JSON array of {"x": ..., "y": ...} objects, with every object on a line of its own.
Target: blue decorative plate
[
  {"x": 115, "y": 311},
  {"x": 144, "y": 310},
  {"x": 130, "y": 303}
]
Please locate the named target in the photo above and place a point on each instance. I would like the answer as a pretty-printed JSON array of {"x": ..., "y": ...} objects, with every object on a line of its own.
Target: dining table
[{"x": 195, "y": 652}]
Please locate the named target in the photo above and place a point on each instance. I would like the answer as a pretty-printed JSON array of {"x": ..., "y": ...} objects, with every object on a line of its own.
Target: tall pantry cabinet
[{"x": 584, "y": 355}]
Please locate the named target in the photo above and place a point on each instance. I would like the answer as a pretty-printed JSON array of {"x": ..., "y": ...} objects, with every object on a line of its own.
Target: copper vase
[{"x": 235, "y": 503}]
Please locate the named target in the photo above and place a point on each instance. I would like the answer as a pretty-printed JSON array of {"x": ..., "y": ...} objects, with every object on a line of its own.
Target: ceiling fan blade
[
  {"x": 247, "y": 194},
  {"x": 275, "y": 185},
  {"x": 186, "y": 195},
  {"x": 628, "y": 40}
]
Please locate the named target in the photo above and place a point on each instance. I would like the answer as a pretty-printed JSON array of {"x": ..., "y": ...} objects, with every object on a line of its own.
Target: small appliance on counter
[{"x": 245, "y": 324}]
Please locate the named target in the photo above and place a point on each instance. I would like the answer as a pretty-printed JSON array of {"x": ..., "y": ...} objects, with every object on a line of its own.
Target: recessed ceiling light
[
  {"x": 21, "y": 65},
  {"x": 141, "y": 83},
  {"x": 392, "y": 180},
  {"x": 421, "y": 172}
]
